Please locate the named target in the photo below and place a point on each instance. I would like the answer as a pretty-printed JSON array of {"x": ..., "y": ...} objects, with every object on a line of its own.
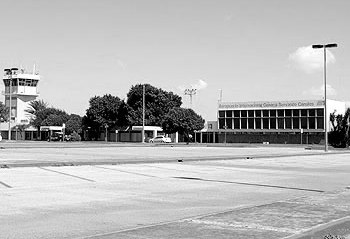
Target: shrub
[{"x": 75, "y": 136}]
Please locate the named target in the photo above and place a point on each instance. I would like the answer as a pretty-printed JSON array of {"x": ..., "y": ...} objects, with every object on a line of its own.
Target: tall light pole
[
  {"x": 143, "y": 113},
  {"x": 325, "y": 89},
  {"x": 10, "y": 73},
  {"x": 190, "y": 92}
]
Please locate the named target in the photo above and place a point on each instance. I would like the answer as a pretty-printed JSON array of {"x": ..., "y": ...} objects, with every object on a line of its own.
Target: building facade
[
  {"x": 299, "y": 121},
  {"x": 21, "y": 86}
]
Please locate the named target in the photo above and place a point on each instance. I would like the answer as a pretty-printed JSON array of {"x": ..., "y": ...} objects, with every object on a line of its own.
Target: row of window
[
  {"x": 272, "y": 123},
  {"x": 21, "y": 82},
  {"x": 270, "y": 113}
]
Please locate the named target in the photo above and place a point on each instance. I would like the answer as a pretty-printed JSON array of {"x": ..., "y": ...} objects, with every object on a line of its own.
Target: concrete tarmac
[
  {"x": 293, "y": 193},
  {"x": 20, "y": 154}
]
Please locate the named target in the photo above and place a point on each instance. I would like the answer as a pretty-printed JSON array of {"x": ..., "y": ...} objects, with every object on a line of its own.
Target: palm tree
[{"x": 35, "y": 106}]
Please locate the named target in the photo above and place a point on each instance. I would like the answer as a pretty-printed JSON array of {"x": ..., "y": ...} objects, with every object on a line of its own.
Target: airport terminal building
[{"x": 298, "y": 121}]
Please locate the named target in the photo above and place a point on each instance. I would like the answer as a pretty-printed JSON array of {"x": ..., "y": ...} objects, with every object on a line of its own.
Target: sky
[{"x": 250, "y": 50}]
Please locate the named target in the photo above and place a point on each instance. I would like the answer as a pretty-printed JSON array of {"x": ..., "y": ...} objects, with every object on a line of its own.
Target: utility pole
[
  {"x": 190, "y": 92},
  {"x": 143, "y": 113}
]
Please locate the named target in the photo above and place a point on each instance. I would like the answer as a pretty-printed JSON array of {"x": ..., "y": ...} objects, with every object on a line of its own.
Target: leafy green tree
[
  {"x": 158, "y": 102},
  {"x": 55, "y": 118},
  {"x": 36, "y": 106},
  {"x": 4, "y": 112},
  {"x": 339, "y": 136},
  {"x": 124, "y": 118},
  {"x": 49, "y": 117},
  {"x": 184, "y": 121},
  {"x": 74, "y": 124},
  {"x": 103, "y": 111},
  {"x": 42, "y": 115}
]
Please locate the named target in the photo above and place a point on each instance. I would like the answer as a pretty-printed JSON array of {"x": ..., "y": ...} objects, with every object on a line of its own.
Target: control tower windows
[{"x": 27, "y": 82}]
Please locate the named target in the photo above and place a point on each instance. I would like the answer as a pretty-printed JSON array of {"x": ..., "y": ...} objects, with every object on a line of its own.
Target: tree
[
  {"x": 36, "y": 106},
  {"x": 4, "y": 112},
  {"x": 339, "y": 136},
  {"x": 55, "y": 118},
  {"x": 49, "y": 117},
  {"x": 124, "y": 118},
  {"x": 184, "y": 121},
  {"x": 74, "y": 124},
  {"x": 158, "y": 102},
  {"x": 42, "y": 115},
  {"x": 103, "y": 111}
]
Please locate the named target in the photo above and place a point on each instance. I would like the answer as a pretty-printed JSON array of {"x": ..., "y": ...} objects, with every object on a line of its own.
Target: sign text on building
[{"x": 272, "y": 104}]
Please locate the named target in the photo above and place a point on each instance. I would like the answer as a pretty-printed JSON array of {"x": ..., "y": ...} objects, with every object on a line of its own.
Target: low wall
[{"x": 259, "y": 138}]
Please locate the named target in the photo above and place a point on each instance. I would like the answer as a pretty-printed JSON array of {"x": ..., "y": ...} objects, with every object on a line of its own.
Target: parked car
[
  {"x": 67, "y": 138},
  {"x": 56, "y": 136},
  {"x": 160, "y": 139}
]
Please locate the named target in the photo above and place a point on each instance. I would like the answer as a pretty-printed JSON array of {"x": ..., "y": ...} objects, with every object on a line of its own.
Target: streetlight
[
  {"x": 10, "y": 73},
  {"x": 143, "y": 114},
  {"x": 325, "y": 88},
  {"x": 190, "y": 92}
]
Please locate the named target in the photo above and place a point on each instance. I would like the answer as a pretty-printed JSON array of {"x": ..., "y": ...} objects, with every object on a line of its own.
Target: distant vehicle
[
  {"x": 56, "y": 136},
  {"x": 160, "y": 139},
  {"x": 67, "y": 138}
]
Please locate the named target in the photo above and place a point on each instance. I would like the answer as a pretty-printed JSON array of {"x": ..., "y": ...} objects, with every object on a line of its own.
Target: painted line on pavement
[
  {"x": 124, "y": 171},
  {"x": 5, "y": 184},
  {"x": 67, "y": 174},
  {"x": 252, "y": 184}
]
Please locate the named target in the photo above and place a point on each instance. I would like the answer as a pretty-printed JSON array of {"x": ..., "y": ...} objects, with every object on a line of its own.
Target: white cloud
[
  {"x": 319, "y": 91},
  {"x": 200, "y": 85},
  {"x": 310, "y": 60}
]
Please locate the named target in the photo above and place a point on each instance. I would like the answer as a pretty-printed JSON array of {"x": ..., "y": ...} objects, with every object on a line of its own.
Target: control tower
[{"x": 23, "y": 90}]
